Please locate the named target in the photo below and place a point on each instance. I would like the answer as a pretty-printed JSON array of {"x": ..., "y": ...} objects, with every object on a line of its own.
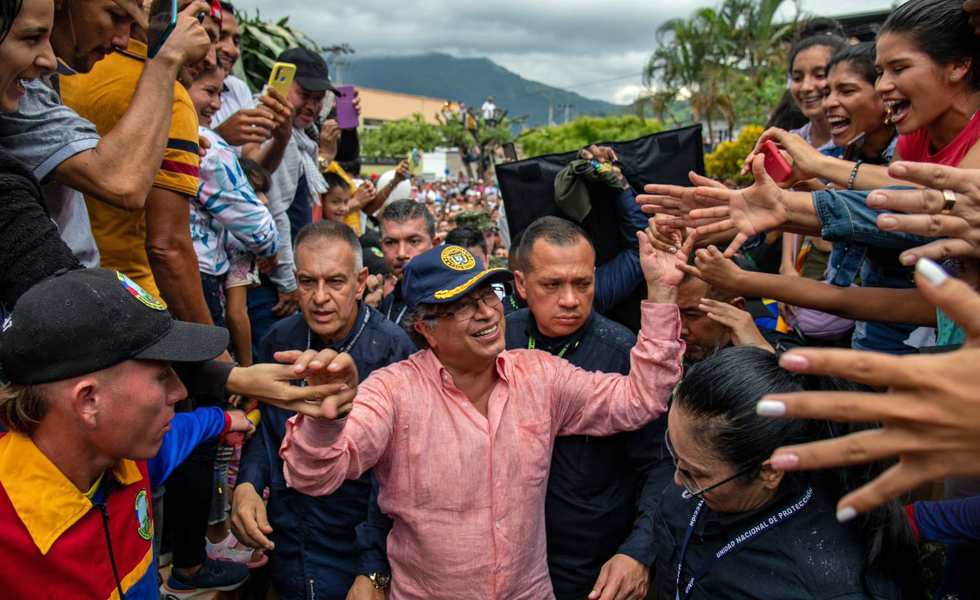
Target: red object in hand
[{"x": 776, "y": 165}]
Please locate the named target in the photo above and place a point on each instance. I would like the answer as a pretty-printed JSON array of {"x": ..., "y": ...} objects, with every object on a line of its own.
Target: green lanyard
[{"x": 561, "y": 354}]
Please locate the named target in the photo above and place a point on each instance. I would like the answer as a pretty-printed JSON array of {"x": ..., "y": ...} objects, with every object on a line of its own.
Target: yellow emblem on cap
[
  {"x": 145, "y": 297},
  {"x": 458, "y": 258}
]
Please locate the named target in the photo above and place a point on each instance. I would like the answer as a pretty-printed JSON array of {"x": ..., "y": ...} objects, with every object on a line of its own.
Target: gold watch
[{"x": 380, "y": 581}]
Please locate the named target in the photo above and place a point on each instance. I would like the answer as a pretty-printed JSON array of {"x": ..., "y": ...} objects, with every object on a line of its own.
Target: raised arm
[
  {"x": 629, "y": 401},
  {"x": 863, "y": 304},
  {"x": 319, "y": 453},
  {"x": 121, "y": 168}
]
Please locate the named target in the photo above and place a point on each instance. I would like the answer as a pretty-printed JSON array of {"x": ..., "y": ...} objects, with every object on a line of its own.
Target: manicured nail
[
  {"x": 770, "y": 408},
  {"x": 935, "y": 274},
  {"x": 794, "y": 361},
  {"x": 887, "y": 223},
  {"x": 846, "y": 514},
  {"x": 877, "y": 200},
  {"x": 784, "y": 462}
]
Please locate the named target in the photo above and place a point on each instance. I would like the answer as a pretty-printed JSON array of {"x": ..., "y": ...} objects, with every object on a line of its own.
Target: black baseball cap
[
  {"x": 445, "y": 274},
  {"x": 311, "y": 69},
  {"x": 87, "y": 320}
]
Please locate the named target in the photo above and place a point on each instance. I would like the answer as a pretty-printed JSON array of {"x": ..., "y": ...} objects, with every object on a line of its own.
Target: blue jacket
[{"x": 317, "y": 553}]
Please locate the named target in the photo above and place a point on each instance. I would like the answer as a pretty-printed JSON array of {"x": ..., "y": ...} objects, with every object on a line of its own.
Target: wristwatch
[{"x": 380, "y": 580}]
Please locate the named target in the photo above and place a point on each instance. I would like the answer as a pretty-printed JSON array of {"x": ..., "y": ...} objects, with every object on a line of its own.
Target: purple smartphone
[{"x": 347, "y": 117}]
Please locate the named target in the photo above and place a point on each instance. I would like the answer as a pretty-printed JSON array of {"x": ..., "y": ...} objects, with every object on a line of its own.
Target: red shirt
[{"x": 915, "y": 146}]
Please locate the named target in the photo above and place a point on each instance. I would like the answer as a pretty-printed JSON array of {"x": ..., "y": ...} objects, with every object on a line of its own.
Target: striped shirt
[{"x": 103, "y": 96}]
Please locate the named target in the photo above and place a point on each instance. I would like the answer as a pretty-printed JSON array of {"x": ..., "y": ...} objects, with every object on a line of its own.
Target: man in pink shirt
[{"x": 460, "y": 435}]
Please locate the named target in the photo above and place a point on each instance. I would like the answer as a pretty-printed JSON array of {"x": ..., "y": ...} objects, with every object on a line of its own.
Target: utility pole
[{"x": 551, "y": 112}]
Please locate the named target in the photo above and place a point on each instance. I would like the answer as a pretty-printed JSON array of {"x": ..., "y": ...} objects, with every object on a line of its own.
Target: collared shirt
[
  {"x": 226, "y": 213},
  {"x": 42, "y": 134},
  {"x": 53, "y": 537},
  {"x": 103, "y": 96},
  {"x": 602, "y": 491},
  {"x": 467, "y": 491},
  {"x": 315, "y": 535}
]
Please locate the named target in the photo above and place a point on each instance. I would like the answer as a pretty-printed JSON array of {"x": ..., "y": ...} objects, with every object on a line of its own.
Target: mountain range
[{"x": 471, "y": 80}]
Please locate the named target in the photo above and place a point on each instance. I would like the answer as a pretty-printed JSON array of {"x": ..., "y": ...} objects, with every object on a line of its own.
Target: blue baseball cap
[{"x": 445, "y": 274}]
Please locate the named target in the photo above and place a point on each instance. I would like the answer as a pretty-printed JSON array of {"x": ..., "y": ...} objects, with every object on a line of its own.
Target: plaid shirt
[{"x": 227, "y": 213}]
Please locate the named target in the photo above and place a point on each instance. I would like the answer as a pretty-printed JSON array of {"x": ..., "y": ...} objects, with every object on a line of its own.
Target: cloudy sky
[{"x": 609, "y": 41}]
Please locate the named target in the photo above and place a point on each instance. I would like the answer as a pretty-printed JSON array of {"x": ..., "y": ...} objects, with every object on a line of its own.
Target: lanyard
[
  {"x": 749, "y": 534},
  {"x": 350, "y": 344},
  {"x": 398, "y": 319},
  {"x": 561, "y": 353}
]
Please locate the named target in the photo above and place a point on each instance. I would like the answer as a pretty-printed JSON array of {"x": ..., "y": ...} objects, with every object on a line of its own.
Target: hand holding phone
[
  {"x": 163, "y": 21},
  {"x": 281, "y": 78},
  {"x": 347, "y": 117},
  {"x": 776, "y": 164}
]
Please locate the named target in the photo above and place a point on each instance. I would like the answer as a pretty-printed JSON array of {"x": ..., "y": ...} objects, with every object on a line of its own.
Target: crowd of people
[{"x": 230, "y": 362}]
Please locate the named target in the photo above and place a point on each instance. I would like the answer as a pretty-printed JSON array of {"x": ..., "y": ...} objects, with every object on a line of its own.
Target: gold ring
[{"x": 949, "y": 197}]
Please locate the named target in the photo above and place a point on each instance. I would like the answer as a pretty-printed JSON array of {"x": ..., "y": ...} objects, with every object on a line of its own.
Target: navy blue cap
[{"x": 445, "y": 274}]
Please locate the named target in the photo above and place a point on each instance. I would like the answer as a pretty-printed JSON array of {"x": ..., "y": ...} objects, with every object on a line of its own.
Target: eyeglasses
[
  {"x": 690, "y": 491},
  {"x": 465, "y": 309}
]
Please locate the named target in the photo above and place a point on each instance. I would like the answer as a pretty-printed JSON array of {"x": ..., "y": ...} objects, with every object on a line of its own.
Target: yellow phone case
[{"x": 281, "y": 77}]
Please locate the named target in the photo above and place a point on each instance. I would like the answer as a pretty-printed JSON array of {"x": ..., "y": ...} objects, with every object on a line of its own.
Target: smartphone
[
  {"x": 415, "y": 163},
  {"x": 163, "y": 21},
  {"x": 347, "y": 117},
  {"x": 281, "y": 77},
  {"x": 510, "y": 152},
  {"x": 776, "y": 165}
]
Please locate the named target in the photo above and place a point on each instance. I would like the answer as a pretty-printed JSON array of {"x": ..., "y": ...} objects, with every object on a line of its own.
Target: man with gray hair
[{"x": 314, "y": 537}]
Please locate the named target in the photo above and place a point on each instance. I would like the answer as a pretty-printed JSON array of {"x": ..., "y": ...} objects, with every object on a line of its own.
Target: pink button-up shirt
[{"x": 466, "y": 492}]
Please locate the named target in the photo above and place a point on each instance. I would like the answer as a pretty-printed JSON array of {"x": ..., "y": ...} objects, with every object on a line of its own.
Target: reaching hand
[
  {"x": 272, "y": 383},
  {"x": 739, "y": 322},
  {"x": 751, "y": 211},
  {"x": 621, "y": 578},
  {"x": 660, "y": 267},
  {"x": 930, "y": 416},
  {"x": 247, "y": 126},
  {"x": 959, "y": 225},
  {"x": 363, "y": 195},
  {"x": 333, "y": 375},
  {"x": 402, "y": 172},
  {"x": 803, "y": 157},
  {"x": 675, "y": 200},
  {"x": 712, "y": 266}
]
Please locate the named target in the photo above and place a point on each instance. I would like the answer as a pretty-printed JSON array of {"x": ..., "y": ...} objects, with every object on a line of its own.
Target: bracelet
[{"x": 854, "y": 174}]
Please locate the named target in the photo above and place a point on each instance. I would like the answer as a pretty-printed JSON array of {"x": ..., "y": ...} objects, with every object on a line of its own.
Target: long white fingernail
[
  {"x": 846, "y": 514},
  {"x": 929, "y": 269},
  {"x": 770, "y": 408}
]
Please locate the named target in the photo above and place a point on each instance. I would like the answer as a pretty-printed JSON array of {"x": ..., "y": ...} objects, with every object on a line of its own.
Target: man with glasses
[{"x": 460, "y": 435}]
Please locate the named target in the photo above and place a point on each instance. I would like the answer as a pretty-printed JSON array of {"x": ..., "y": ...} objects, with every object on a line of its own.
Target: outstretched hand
[
  {"x": 661, "y": 267},
  {"x": 333, "y": 375},
  {"x": 714, "y": 268},
  {"x": 930, "y": 416},
  {"x": 750, "y": 211},
  {"x": 959, "y": 225}
]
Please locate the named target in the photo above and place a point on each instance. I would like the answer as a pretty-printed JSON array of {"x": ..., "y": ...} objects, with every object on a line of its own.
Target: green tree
[
  {"x": 395, "y": 139},
  {"x": 263, "y": 41},
  {"x": 586, "y": 130},
  {"x": 726, "y": 61}
]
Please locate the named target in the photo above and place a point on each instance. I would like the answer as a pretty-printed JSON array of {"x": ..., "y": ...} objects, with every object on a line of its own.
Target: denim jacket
[{"x": 861, "y": 249}]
